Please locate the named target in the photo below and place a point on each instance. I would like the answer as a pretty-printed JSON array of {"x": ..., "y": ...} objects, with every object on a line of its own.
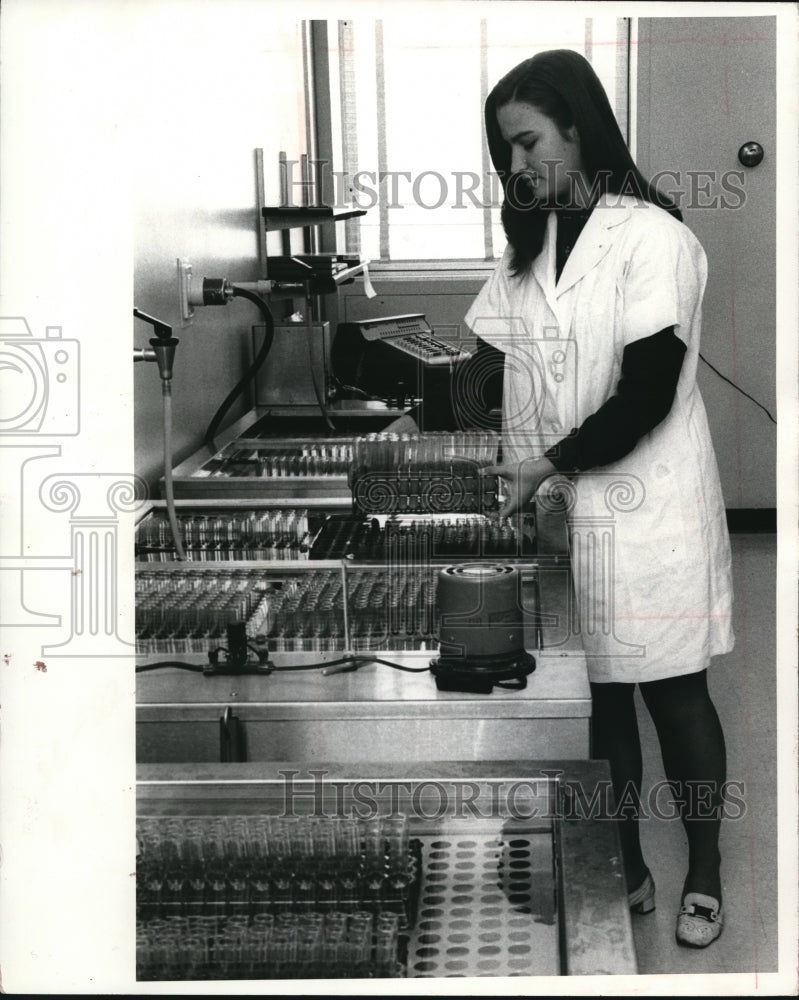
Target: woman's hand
[{"x": 522, "y": 480}]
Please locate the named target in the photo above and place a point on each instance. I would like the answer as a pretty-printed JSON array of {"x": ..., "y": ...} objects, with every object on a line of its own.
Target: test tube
[
  {"x": 194, "y": 957},
  {"x": 158, "y": 957},
  {"x": 227, "y": 953},
  {"x": 258, "y": 832},
  {"x": 397, "y": 836},
  {"x": 348, "y": 850},
  {"x": 150, "y": 879},
  {"x": 238, "y": 890},
  {"x": 263, "y": 922},
  {"x": 236, "y": 838},
  {"x": 194, "y": 891},
  {"x": 260, "y": 934},
  {"x": 385, "y": 951},
  {"x": 216, "y": 890},
  {"x": 359, "y": 944},
  {"x": 281, "y": 878},
  {"x": 144, "y": 957},
  {"x": 347, "y": 840},
  {"x": 213, "y": 843},
  {"x": 308, "y": 955},
  {"x": 283, "y": 951},
  {"x": 333, "y": 945}
]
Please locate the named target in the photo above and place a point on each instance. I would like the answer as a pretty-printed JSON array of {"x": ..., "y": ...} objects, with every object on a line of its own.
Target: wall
[
  {"x": 231, "y": 83},
  {"x": 706, "y": 86}
]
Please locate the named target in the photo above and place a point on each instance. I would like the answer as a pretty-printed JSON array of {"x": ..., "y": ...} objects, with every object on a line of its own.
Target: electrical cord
[
  {"x": 397, "y": 666},
  {"x": 356, "y": 659},
  {"x": 352, "y": 389},
  {"x": 735, "y": 386},
  {"x": 258, "y": 361},
  {"x": 193, "y": 667}
]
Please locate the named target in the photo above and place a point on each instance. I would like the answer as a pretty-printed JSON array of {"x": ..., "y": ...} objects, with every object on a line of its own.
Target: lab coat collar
[{"x": 611, "y": 210}]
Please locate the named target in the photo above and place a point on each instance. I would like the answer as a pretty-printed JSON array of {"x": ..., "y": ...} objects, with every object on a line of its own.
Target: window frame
[{"x": 321, "y": 114}]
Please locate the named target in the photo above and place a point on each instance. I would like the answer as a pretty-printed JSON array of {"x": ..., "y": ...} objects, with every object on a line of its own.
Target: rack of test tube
[
  {"x": 380, "y": 472},
  {"x": 214, "y": 535},
  {"x": 302, "y": 458},
  {"x": 293, "y": 533},
  {"x": 259, "y": 897},
  {"x": 307, "y": 466},
  {"x": 351, "y": 607},
  {"x": 189, "y": 611},
  {"x": 419, "y": 537},
  {"x": 424, "y": 473}
]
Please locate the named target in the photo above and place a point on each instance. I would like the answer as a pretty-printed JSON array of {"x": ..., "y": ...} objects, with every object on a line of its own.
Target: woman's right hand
[{"x": 522, "y": 481}]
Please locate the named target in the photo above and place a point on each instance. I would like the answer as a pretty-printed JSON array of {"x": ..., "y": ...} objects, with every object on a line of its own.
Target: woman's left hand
[{"x": 523, "y": 481}]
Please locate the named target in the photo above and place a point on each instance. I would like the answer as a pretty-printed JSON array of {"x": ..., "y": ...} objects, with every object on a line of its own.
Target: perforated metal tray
[{"x": 487, "y": 907}]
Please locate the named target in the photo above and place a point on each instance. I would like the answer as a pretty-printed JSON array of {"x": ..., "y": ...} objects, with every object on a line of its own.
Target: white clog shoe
[{"x": 700, "y": 920}]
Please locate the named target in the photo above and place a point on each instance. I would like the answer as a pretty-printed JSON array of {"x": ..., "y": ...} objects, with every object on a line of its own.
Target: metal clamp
[{"x": 232, "y": 744}]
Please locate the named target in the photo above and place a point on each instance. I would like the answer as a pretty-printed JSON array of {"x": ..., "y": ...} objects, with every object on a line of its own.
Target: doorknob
[{"x": 750, "y": 154}]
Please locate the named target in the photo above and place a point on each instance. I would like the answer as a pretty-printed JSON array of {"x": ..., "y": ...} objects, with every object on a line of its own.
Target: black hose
[
  {"x": 195, "y": 668},
  {"x": 258, "y": 361},
  {"x": 355, "y": 659}
]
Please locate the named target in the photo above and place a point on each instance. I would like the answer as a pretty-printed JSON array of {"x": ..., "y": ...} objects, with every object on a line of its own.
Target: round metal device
[{"x": 481, "y": 628}]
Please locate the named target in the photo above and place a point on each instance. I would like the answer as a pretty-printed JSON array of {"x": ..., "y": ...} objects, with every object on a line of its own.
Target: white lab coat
[{"x": 649, "y": 543}]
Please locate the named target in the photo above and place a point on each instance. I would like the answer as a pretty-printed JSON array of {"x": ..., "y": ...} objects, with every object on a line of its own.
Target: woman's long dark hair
[{"x": 562, "y": 85}]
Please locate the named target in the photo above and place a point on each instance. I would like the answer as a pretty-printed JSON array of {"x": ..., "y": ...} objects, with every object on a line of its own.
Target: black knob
[{"x": 750, "y": 154}]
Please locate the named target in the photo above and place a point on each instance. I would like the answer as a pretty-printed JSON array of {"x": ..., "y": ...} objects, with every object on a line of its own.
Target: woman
[{"x": 589, "y": 330}]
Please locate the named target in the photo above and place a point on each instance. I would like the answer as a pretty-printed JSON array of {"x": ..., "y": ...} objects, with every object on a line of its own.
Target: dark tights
[{"x": 694, "y": 758}]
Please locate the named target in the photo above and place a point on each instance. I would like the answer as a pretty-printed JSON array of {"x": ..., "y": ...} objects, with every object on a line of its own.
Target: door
[{"x": 706, "y": 86}]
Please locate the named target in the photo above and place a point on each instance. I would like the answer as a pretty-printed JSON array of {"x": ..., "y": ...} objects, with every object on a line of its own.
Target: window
[{"x": 407, "y": 117}]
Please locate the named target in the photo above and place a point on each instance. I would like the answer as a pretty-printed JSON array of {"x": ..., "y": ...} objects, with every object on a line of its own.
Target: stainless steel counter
[{"x": 374, "y": 713}]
